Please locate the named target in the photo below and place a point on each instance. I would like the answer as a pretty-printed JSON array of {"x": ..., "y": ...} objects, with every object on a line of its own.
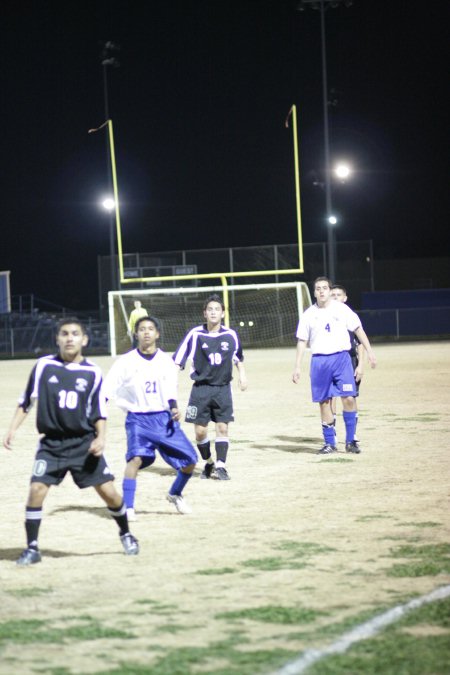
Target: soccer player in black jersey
[
  {"x": 71, "y": 420},
  {"x": 339, "y": 293},
  {"x": 212, "y": 349}
]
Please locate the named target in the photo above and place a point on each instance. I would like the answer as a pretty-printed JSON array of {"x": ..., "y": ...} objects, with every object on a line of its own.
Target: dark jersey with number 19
[
  {"x": 212, "y": 354},
  {"x": 69, "y": 397}
]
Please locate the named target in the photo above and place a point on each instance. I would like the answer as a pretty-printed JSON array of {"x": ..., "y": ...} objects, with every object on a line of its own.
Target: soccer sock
[
  {"x": 221, "y": 445},
  {"x": 120, "y": 516},
  {"x": 334, "y": 429},
  {"x": 129, "y": 491},
  {"x": 33, "y": 518},
  {"x": 350, "y": 425},
  {"x": 329, "y": 434},
  {"x": 179, "y": 483},
  {"x": 204, "y": 449}
]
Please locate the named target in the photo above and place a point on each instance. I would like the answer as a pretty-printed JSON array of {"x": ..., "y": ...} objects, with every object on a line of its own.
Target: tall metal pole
[
  {"x": 326, "y": 134},
  {"x": 108, "y": 59},
  {"x": 110, "y": 190},
  {"x": 331, "y": 244}
]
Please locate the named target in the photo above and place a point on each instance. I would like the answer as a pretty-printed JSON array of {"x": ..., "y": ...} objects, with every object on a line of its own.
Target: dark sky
[{"x": 203, "y": 157}]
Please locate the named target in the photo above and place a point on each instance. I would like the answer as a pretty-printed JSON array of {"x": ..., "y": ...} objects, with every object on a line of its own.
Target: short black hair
[
  {"x": 213, "y": 298},
  {"x": 156, "y": 322},
  {"x": 70, "y": 319}
]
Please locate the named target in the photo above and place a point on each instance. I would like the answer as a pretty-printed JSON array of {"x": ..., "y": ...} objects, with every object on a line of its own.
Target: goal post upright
[
  {"x": 223, "y": 277},
  {"x": 218, "y": 275}
]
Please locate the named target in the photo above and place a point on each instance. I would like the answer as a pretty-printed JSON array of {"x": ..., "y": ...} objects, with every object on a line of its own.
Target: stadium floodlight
[
  {"x": 109, "y": 204},
  {"x": 343, "y": 171},
  {"x": 332, "y": 220}
]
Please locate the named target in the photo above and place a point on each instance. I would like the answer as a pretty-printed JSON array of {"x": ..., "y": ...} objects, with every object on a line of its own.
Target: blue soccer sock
[
  {"x": 350, "y": 425},
  {"x": 179, "y": 483},
  {"x": 328, "y": 432},
  {"x": 129, "y": 491}
]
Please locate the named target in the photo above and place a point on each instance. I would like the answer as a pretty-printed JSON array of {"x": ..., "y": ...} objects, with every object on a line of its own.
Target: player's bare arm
[
  {"x": 364, "y": 340},
  {"x": 98, "y": 444},
  {"x": 243, "y": 383},
  {"x": 301, "y": 347},
  {"x": 16, "y": 421},
  {"x": 359, "y": 370}
]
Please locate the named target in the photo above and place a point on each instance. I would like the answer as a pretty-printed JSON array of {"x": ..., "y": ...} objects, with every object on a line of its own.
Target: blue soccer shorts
[
  {"x": 331, "y": 375},
  {"x": 148, "y": 432}
]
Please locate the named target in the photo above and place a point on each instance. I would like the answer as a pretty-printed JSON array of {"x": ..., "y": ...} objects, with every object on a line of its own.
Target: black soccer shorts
[
  {"x": 210, "y": 403},
  {"x": 57, "y": 457}
]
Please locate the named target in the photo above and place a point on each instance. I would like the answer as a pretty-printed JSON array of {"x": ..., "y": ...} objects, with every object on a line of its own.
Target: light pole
[
  {"x": 322, "y": 6},
  {"x": 108, "y": 59},
  {"x": 109, "y": 205}
]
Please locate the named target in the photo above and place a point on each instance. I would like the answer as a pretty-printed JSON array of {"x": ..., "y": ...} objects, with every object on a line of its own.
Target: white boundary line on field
[{"x": 362, "y": 632}]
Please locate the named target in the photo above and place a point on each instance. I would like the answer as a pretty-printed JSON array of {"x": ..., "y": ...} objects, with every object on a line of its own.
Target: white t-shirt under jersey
[{"x": 326, "y": 328}]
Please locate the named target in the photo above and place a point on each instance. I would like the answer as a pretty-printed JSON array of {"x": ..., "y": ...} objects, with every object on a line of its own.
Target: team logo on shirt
[
  {"x": 224, "y": 346},
  {"x": 53, "y": 379},
  {"x": 204, "y": 346},
  {"x": 81, "y": 384}
]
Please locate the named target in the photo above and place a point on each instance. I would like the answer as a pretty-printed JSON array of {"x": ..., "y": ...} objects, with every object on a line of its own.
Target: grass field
[{"x": 290, "y": 555}]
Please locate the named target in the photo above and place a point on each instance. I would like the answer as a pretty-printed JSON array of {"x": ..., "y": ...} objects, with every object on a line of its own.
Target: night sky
[{"x": 203, "y": 157}]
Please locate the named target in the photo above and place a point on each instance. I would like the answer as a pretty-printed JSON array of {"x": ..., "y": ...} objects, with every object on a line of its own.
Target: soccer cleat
[
  {"x": 353, "y": 447},
  {"x": 130, "y": 544},
  {"x": 29, "y": 556},
  {"x": 180, "y": 504},
  {"x": 222, "y": 473},
  {"x": 131, "y": 515},
  {"x": 327, "y": 449},
  {"x": 207, "y": 471}
]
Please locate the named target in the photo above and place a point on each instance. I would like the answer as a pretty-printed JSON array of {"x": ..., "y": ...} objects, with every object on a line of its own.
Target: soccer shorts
[
  {"x": 210, "y": 403},
  {"x": 331, "y": 375},
  {"x": 147, "y": 432},
  {"x": 57, "y": 457}
]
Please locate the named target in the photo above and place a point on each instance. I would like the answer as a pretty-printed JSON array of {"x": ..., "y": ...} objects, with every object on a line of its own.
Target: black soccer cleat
[
  {"x": 130, "y": 544},
  {"x": 221, "y": 473},
  {"x": 207, "y": 471},
  {"x": 327, "y": 449},
  {"x": 353, "y": 447},
  {"x": 29, "y": 556}
]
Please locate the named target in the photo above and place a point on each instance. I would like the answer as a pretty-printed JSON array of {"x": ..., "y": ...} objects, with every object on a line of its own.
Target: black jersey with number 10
[
  {"x": 212, "y": 354},
  {"x": 69, "y": 397}
]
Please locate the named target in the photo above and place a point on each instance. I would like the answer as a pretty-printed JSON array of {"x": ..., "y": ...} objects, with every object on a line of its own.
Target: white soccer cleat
[
  {"x": 131, "y": 515},
  {"x": 180, "y": 504}
]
